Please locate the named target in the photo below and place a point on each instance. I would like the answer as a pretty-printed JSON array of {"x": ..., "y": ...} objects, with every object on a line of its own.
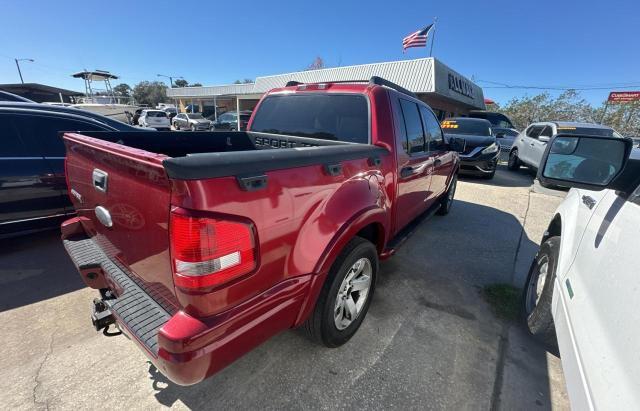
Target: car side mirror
[
  {"x": 589, "y": 162},
  {"x": 457, "y": 144},
  {"x": 544, "y": 139}
]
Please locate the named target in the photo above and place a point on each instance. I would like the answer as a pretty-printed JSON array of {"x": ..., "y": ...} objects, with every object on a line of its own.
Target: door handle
[
  {"x": 407, "y": 172},
  {"x": 437, "y": 162},
  {"x": 588, "y": 201}
]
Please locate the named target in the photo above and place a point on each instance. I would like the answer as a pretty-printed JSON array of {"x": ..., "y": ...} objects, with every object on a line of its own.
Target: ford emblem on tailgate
[{"x": 104, "y": 216}]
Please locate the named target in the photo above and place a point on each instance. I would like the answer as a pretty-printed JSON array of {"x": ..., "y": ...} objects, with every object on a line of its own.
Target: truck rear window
[{"x": 326, "y": 116}]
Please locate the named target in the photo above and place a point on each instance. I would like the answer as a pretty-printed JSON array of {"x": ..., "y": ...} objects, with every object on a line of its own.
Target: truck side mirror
[
  {"x": 544, "y": 139},
  {"x": 457, "y": 144},
  {"x": 589, "y": 162}
]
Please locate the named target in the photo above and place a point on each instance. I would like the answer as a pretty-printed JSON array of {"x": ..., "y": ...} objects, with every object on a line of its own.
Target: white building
[{"x": 447, "y": 92}]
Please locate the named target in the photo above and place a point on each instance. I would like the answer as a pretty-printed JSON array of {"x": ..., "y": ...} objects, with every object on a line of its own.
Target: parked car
[
  {"x": 171, "y": 112},
  {"x": 191, "y": 121},
  {"x": 154, "y": 119},
  {"x": 583, "y": 286},
  {"x": 480, "y": 156},
  {"x": 229, "y": 121},
  {"x": 505, "y": 137},
  {"x": 227, "y": 238},
  {"x": 497, "y": 120},
  {"x": 530, "y": 144},
  {"x": 33, "y": 194},
  {"x": 115, "y": 124},
  {"x": 6, "y": 96}
]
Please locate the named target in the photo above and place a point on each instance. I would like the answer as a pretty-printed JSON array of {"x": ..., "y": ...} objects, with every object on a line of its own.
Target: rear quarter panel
[{"x": 298, "y": 219}]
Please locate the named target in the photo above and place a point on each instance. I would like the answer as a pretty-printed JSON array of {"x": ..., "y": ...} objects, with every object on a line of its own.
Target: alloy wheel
[{"x": 353, "y": 293}]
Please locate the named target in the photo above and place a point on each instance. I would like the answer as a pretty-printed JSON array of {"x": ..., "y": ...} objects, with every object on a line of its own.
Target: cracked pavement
[{"x": 429, "y": 340}]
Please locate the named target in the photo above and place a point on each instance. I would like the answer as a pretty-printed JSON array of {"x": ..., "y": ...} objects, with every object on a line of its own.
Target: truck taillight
[{"x": 207, "y": 252}]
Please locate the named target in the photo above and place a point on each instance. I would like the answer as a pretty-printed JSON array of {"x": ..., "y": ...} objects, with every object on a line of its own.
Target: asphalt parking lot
[{"x": 430, "y": 341}]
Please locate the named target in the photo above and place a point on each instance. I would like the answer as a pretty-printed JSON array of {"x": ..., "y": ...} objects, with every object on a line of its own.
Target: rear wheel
[
  {"x": 447, "y": 199},
  {"x": 346, "y": 295},
  {"x": 514, "y": 161},
  {"x": 538, "y": 292},
  {"x": 193, "y": 127},
  {"x": 176, "y": 126}
]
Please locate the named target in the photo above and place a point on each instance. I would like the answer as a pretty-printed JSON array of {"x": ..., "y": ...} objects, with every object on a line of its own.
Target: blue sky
[{"x": 539, "y": 43}]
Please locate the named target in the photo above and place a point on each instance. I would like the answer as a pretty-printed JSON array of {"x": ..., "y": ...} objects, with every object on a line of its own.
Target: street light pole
[{"x": 18, "y": 65}]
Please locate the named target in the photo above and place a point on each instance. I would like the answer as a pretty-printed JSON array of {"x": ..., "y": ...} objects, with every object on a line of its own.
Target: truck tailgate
[{"x": 124, "y": 194}]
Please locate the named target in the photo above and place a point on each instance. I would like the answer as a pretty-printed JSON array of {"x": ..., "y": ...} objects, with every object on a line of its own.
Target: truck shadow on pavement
[
  {"x": 35, "y": 267},
  {"x": 429, "y": 339},
  {"x": 505, "y": 178}
]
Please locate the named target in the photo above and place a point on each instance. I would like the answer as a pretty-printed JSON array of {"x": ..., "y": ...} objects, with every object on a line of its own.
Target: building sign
[
  {"x": 460, "y": 85},
  {"x": 623, "y": 96}
]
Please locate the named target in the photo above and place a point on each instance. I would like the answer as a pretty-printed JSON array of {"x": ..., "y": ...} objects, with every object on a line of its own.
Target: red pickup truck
[{"x": 203, "y": 245}]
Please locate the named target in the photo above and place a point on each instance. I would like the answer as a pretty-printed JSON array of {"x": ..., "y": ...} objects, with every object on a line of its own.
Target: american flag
[{"x": 417, "y": 39}]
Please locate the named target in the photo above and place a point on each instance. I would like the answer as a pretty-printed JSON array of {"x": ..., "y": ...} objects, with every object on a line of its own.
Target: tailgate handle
[
  {"x": 100, "y": 178},
  {"x": 252, "y": 183},
  {"x": 333, "y": 169}
]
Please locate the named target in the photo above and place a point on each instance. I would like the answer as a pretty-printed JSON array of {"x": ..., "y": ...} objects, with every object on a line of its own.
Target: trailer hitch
[{"x": 102, "y": 318}]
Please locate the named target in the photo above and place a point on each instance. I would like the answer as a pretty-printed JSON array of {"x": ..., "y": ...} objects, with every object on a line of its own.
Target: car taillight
[{"x": 207, "y": 252}]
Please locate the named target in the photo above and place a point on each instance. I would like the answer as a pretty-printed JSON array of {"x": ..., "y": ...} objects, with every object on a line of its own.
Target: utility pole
[
  {"x": 18, "y": 65},
  {"x": 170, "y": 79}
]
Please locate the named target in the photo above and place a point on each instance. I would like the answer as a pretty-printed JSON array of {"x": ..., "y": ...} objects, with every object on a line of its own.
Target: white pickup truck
[{"x": 584, "y": 283}]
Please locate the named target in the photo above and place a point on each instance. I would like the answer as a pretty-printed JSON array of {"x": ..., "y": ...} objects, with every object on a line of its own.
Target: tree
[
  {"x": 123, "y": 90},
  {"x": 195, "y": 85},
  {"x": 150, "y": 92},
  {"x": 570, "y": 106},
  {"x": 181, "y": 82},
  {"x": 245, "y": 81},
  {"x": 317, "y": 64}
]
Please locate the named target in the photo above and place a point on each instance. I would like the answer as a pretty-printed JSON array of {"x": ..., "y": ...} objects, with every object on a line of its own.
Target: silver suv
[{"x": 529, "y": 145}]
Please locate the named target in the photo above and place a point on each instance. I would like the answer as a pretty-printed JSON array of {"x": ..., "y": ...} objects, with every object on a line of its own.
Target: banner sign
[{"x": 623, "y": 96}]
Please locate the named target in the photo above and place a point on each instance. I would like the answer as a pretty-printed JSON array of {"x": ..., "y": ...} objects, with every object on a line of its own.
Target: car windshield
[
  {"x": 196, "y": 116},
  {"x": 466, "y": 126},
  {"x": 156, "y": 114},
  {"x": 325, "y": 116},
  {"x": 588, "y": 131}
]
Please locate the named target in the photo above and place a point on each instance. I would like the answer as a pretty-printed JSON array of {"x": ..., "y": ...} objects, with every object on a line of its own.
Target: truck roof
[{"x": 351, "y": 86}]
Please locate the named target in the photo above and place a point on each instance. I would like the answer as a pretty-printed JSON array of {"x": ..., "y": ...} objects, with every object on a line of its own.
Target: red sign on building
[{"x": 623, "y": 96}]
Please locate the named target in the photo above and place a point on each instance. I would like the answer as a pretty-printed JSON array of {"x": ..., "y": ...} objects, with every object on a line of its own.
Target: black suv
[{"x": 33, "y": 194}]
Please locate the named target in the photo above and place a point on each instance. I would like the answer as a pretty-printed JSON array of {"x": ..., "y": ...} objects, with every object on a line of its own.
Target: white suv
[
  {"x": 530, "y": 144},
  {"x": 584, "y": 283},
  {"x": 154, "y": 119}
]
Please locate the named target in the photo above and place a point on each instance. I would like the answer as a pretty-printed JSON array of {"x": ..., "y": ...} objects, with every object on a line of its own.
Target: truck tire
[
  {"x": 514, "y": 161},
  {"x": 346, "y": 295},
  {"x": 446, "y": 201},
  {"x": 538, "y": 291}
]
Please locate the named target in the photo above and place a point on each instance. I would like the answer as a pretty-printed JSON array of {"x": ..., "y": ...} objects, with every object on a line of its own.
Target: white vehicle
[
  {"x": 154, "y": 119},
  {"x": 530, "y": 144},
  {"x": 584, "y": 284}
]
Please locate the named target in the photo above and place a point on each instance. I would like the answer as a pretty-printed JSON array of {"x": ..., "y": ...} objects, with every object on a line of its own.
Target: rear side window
[
  {"x": 326, "y": 116},
  {"x": 435, "y": 141},
  {"x": 10, "y": 143},
  {"x": 413, "y": 125},
  {"x": 43, "y": 132},
  {"x": 534, "y": 131}
]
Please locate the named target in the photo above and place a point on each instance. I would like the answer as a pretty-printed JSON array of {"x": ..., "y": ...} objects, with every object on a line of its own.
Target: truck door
[
  {"x": 415, "y": 164},
  {"x": 601, "y": 295},
  {"x": 443, "y": 160},
  {"x": 526, "y": 143}
]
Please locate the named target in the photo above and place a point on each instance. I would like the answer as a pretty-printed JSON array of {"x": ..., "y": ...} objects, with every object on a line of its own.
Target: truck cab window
[{"x": 413, "y": 125}]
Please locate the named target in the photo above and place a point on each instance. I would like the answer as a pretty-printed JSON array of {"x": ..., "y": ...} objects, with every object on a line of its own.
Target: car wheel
[
  {"x": 447, "y": 199},
  {"x": 346, "y": 295},
  {"x": 514, "y": 161},
  {"x": 176, "y": 126},
  {"x": 193, "y": 127},
  {"x": 538, "y": 292}
]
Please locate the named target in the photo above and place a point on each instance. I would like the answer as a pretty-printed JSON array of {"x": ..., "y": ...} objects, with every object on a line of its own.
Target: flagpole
[{"x": 433, "y": 36}]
